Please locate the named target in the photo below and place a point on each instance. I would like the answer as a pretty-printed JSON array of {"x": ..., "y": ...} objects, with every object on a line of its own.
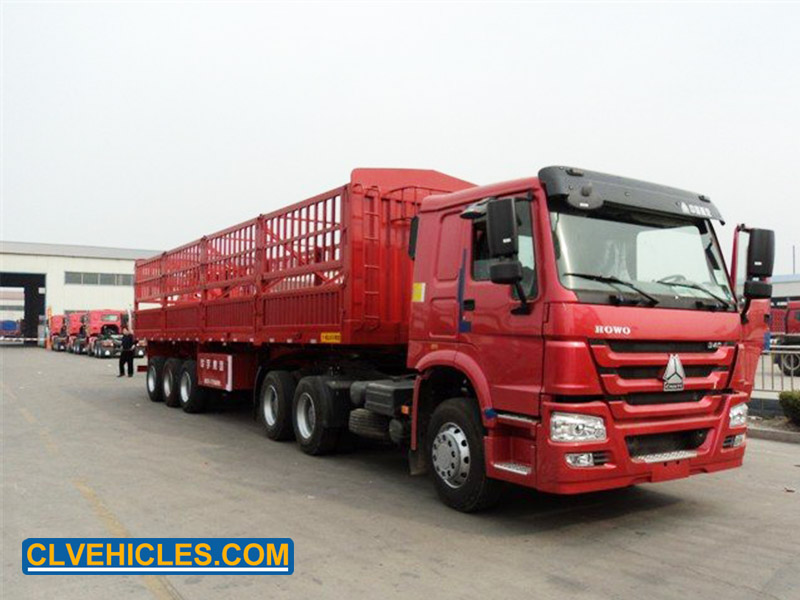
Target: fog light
[
  {"x": 737, "y": 417},
  {"x": 108, "y": 353},
  {"x": 583, "y": 459},
  {"x": 738, "y": 440}
]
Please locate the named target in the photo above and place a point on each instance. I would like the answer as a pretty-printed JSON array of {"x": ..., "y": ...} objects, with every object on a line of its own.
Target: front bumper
[
  {"x": 543, "y": 464},
  {"x": 626, "y": 421}
]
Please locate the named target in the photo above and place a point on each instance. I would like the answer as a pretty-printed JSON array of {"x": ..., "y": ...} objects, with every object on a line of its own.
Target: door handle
[{"x": 468, "y": 304}]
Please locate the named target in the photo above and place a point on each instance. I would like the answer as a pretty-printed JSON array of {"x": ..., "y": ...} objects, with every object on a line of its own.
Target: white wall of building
[
  {"x": 55, "y": 261},
  {"x": 61, "y": 296}
]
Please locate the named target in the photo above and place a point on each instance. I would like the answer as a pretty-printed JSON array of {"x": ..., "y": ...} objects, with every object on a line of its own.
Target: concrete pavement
[{"x": 86, "y": 454}]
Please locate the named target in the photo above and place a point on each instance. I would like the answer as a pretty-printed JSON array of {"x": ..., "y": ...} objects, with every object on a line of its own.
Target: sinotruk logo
[{"x": 673, "y": 374}]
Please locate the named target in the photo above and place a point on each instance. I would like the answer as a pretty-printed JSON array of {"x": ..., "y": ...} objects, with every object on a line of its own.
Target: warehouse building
[{"x": 65, "y": 278}]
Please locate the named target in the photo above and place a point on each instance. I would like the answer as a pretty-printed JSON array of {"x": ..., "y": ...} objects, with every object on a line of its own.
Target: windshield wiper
[
  {"x": 610, "y": 279},
  {"x": 696, "y": 286}
]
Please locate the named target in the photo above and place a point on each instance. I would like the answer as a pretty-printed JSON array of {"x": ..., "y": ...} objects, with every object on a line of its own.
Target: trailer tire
[
  {"x": 454, "y": 447},
  {"x": 312, "y": 411},
  {"x": 790, "y": 364},
  {"x": 155, "y": 367},
  {"x": 192, "y": 396},
  {"x": 275, "y": 397},
  {"x": 169, "y": 382}
]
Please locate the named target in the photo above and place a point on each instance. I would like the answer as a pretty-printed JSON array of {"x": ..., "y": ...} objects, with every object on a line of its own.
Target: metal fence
[{"x": 779, "y": 370}]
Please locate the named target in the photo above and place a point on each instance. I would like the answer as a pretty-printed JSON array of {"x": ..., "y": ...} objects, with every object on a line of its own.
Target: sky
[{"x": 147, "y": 125}]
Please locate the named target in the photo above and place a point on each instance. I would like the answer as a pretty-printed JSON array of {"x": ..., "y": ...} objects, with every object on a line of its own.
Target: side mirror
[
  {"x": 757, "y": 290},
  {"x": 760, "y": 254},
  {"x": 501, "y": 228},
  {"x": 506, "y": 272}
]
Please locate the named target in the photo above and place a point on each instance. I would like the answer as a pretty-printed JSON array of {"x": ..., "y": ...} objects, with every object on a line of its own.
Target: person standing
[{"x": 126, "y": 356}]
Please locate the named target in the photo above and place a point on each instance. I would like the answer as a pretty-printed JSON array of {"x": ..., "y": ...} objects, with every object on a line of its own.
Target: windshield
[{"x": 623, "y": 256}]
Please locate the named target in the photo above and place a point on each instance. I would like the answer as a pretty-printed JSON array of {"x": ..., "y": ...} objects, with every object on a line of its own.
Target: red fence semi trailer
[{"x": 569, "y": 332}]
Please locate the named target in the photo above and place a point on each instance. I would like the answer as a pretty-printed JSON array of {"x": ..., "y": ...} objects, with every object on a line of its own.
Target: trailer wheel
[
  {"x": 192, "y": 396},
  {"x": 456, "y": 453},
  {"x": 275, "y": 405},
  {"x": 169, "y": 382},
  {"x": 153, "y": 380},
  {"x": 312, "y": 410},
  {"x": 790, "y": 364}
]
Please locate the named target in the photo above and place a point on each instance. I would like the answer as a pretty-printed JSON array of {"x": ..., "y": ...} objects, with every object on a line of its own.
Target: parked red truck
[
  {"x": 74, "y": 331},
  {"x": 57, "y": 330},
  {"x": 785, "y": 331},
  {"x": 569, "y": 332}
]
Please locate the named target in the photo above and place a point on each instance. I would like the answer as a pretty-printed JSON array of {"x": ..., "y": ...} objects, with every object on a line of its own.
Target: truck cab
[
  {"x": 75, "y": 331},
  {"x": 57, "y": 330},
  {"x": 103, "y": 332},
  {"x": 592, "y": 322}
]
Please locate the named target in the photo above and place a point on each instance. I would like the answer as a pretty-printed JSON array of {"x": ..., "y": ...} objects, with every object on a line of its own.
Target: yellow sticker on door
[
  {"x": 418, "y": 292},
  {"x": 330, "y": 337}
]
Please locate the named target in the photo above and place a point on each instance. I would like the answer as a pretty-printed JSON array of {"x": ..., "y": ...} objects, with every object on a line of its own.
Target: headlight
[
  {"x": 567, "y": 427},
  {"x": 737, "y": 417}
]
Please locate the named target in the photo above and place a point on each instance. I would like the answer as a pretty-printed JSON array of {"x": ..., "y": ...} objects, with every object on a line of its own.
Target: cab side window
[{"x": 481, "y": 261}]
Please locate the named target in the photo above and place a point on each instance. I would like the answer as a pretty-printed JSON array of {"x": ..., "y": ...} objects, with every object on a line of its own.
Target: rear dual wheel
[
  {"x": 153, "y": 380},
  {"x": 170, "y": 382},
  {"x": 313, "y": 412},
  {"x": 191, "y": 396},
  {"x": 275, "y": 405}
]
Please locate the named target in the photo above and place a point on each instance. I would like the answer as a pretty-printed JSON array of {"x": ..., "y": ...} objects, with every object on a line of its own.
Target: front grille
[
  {"x": 656, "y": 371},
  {"x": 665, "y": 347},
  {"x": 600, "y": 458},
  {"x": 659, "y": 443},
  {"x": 664, "y": 397}
]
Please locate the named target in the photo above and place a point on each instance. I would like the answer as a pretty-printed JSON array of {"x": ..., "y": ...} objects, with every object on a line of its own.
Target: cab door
[{"x": 501, "y": 338}]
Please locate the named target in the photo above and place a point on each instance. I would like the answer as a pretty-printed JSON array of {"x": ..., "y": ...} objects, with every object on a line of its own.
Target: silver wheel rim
[
  {"x": 790, "y": 362},
  {"x": 269, "y": 404},
  {"x": 306, "y": 415},
  {"x": 167, "y": 383},
  {"x": 186, "y": 388},
  {"x": 151, "y": 379},
  {"x": 450, "y": 455}
]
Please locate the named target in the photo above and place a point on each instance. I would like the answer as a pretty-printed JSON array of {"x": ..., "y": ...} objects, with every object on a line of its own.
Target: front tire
[
  {"x": 790, "y": 364},
  {"x": 192, "y": 396},
  {"x": 312, "y": 411},
  {"x": 169, "y": 382},
  {"x": 275, "y": 398},
  {"x": 153, "y": 380},
  {"x": 456, "y": 453}
]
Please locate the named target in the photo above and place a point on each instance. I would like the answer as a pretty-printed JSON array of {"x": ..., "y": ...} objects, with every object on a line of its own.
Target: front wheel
[
  {"x": 456, "y": 452},
  {"x": 790, "y": 364}
]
